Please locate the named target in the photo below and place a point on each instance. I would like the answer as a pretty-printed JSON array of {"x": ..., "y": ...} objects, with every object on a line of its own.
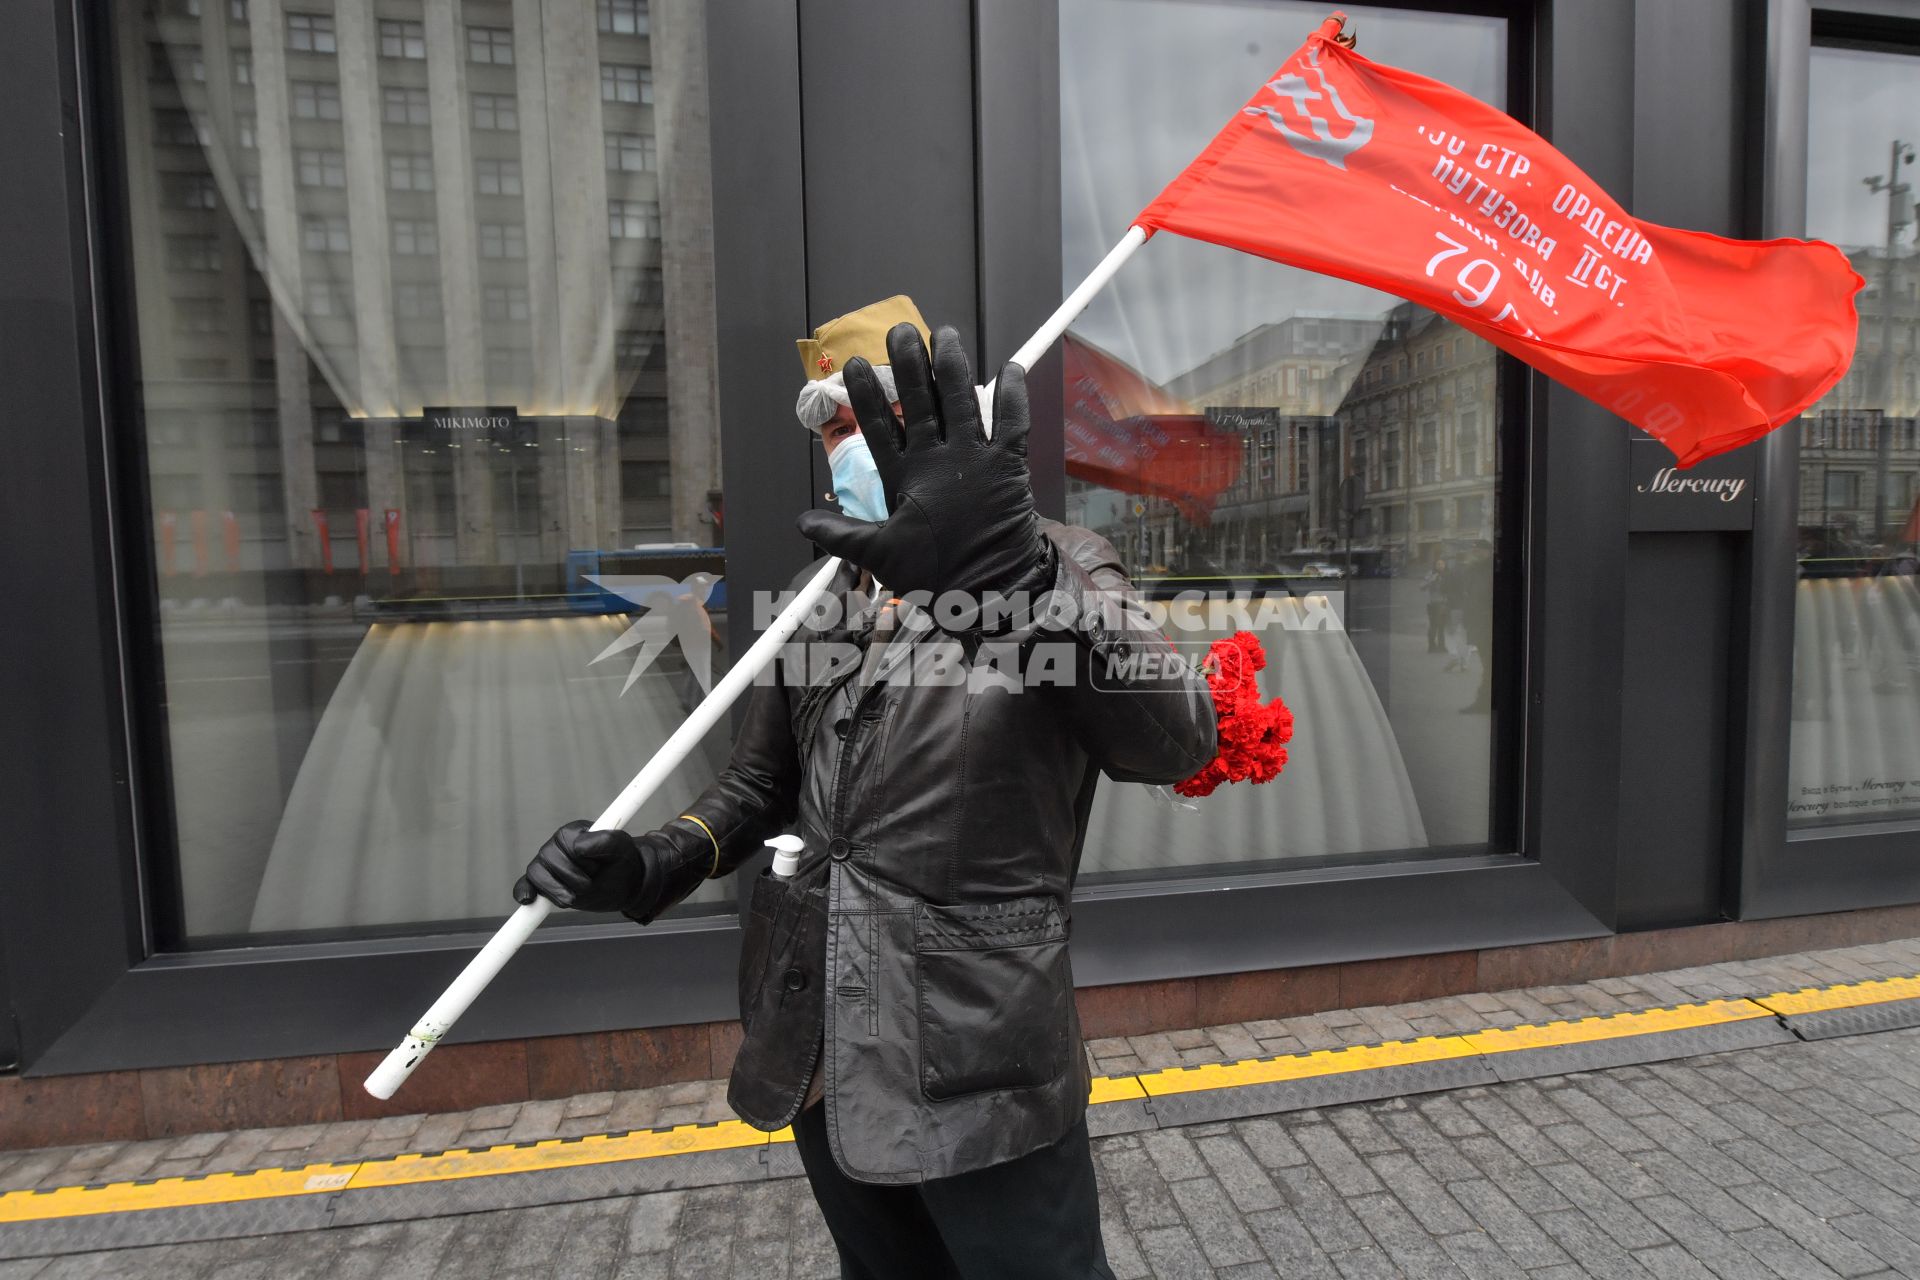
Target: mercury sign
[{"x": 1714, "y": 494}]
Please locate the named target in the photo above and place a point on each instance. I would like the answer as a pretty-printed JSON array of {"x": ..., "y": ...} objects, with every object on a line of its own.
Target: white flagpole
[
  {"x": 1065, "y": 314},
  {"x": 482, "y": 969}
]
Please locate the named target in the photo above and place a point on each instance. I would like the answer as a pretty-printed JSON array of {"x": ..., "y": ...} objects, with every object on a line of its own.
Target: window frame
[
  {"x": 1786, "y": 872},
  {"x": 787, "y": 251},
  {"x": 607, "y": 17},
  {"x": 321, "y": 33},
  {"x": 112, "y": 995},
  {"x": 405, "y": 34},
  {"x": 496, "y": 107},
  {"x": 1556, "y": 790},
  {"x": 493, "y": 40}
]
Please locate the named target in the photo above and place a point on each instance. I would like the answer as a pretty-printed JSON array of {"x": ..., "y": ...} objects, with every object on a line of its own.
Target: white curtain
[{"x": 1855, "y": 755}]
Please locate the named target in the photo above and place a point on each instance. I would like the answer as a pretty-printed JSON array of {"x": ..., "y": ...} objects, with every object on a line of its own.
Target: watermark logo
[
  {"x": 1013, "y": 642},
  {"x": 674, "y": 611}
]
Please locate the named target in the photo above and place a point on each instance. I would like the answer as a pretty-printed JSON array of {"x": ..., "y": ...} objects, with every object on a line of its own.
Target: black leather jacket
[{"x": 922, "y": 945}]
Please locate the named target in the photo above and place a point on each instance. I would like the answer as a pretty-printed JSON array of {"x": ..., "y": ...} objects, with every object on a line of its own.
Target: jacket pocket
[
  {"x": 994, "y": 983},
  {"x": 763, "y": 911}
]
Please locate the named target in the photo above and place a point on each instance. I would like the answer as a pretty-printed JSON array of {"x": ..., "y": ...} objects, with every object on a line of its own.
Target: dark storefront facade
[{"x": 401, "y": 431}]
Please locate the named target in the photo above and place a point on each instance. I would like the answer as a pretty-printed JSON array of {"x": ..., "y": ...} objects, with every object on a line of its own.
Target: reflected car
[{"x": 1322, "y": 569}]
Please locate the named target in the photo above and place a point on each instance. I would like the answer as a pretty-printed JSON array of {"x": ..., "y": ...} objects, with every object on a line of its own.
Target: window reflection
[
  {"x": 1320, "y": 459},
  {"x": 424, "y": 324},
  {"x": 1855, "y": 754}
]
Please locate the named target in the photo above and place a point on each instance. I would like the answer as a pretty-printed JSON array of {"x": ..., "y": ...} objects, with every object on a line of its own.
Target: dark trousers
[{"x": 1035, "y": 1218}]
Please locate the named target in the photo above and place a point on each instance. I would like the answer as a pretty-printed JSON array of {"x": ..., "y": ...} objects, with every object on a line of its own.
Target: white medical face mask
[{"x": 856, "y": 481}]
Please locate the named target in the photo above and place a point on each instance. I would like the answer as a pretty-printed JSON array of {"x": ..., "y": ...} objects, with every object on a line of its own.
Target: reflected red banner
[{"x": 1124, "y": 432}]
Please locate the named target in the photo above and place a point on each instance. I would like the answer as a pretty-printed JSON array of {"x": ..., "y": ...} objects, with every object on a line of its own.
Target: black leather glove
[
  {"x": 961, "y": 509},
  {"x": 588, "y": 870}
]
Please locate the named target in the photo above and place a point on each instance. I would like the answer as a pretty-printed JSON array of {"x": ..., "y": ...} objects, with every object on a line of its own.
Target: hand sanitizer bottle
[{"x": 786, "y": 855}]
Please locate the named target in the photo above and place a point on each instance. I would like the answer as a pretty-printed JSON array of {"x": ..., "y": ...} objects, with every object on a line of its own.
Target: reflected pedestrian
[{"x": 1438, "y": 607}]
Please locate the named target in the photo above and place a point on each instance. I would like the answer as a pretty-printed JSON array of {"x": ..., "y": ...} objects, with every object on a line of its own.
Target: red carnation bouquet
[{"x": 1253, "y": 734}]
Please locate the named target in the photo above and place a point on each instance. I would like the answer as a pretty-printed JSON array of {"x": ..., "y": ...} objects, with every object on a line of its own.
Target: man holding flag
[{"x": 907, "y": 995}]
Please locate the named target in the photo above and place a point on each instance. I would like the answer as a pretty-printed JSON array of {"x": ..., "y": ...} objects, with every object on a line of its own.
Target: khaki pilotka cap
[{"x": 858, "y": 333}]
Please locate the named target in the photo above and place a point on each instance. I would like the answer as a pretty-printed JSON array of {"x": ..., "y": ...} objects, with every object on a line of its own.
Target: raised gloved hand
[
  {"x": 961, "y": 509},
  {"x": 589, "y": 870}
]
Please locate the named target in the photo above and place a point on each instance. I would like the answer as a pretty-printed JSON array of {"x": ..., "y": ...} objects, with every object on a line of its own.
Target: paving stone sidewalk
[
  {"x": 705, "y": 1100},
  {"x": 1795, "y": 1160},
  {"x": 1791, "y": 1162}
]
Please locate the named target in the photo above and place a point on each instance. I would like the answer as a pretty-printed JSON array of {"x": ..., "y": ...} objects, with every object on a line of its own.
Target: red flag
[
  {"x": 198, "y": 520},
  {"x": 1124, "y": 432},
  {"x": 393, "y": 540},
  {"x": 1912, "y": 532},
  {"x": 1353, "y": 169},
  {"x": 169, "y": 541},
  {"x": 230, "y": 539},
  {"x": 362, "y": 525},
  {"x": 326, "y": 540}
]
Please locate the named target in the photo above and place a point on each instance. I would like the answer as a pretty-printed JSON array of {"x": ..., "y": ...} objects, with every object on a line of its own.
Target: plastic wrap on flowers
[{"x": 1253, "y": 734}]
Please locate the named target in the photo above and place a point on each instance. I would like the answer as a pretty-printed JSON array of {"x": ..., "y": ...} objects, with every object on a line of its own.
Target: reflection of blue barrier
[{"x": 677, "y": 563}]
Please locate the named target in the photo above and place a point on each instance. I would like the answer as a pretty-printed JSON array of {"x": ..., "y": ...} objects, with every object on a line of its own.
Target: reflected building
[
  {"x": 1401, "y": 404},
  {"x": 1858, "y": 487},
  {"x": 1277, "y": 387},
  {"x": 430, "y": 282},
  {"x": 1418, "y": 427}
]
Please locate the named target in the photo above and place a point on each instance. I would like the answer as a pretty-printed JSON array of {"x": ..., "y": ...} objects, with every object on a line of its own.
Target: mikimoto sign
[{"x": 489, "y": 420}]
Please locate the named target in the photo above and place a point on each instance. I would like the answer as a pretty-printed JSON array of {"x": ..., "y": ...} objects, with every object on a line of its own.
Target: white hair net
[{"x": 819, "y": 399}]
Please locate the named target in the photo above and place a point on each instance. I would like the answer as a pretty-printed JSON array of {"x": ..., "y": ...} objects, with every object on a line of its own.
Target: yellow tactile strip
[
  {"x": 390, "y": 1171},
  {"x": 1299, "y": 1066},
  {"x": 1612, "y": 1026},
  {"x": 1849, "y": 995},
  {"x": 642, "y": 1144},
  {"x": 175, "y": 1193}
]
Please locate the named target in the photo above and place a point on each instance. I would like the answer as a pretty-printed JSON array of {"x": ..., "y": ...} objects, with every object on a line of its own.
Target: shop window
[
  {"x": 1854, "y": 755},
  {"x": 1197, "y": 352},
  {"x": 399, "y": 699}
]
